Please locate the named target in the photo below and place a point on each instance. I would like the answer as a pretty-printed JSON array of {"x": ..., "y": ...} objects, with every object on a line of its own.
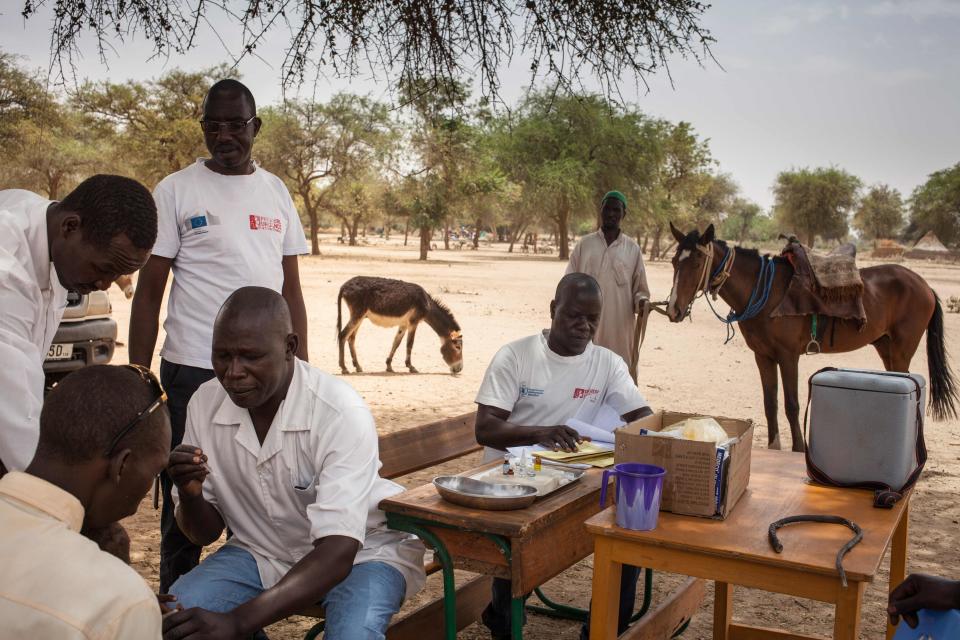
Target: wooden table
[
  {"x": 527, "y": 546},
  {"x": 737, "y": 550}
]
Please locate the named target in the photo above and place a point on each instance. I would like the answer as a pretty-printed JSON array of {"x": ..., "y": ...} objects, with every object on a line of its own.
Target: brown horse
[
  {"x": 395, "y": 303},
  {"x": 899, "y": 307}
]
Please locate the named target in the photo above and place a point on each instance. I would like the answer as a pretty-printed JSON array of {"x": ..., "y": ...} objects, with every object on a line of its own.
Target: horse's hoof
[
  {"x": 344, "y": 371},
  {"x": 775, "y": 444},
  {"x": 359, "y": 370},
  {"x": 413, "y": 370},
  {"x": 390, "y": 369}
]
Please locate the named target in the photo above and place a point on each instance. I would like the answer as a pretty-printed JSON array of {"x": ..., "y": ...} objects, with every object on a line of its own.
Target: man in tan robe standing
[{"x": 616, "y": 262}]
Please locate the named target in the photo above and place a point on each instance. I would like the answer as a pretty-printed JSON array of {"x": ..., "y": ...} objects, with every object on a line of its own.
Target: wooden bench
[{"x": 404, "y": 452}]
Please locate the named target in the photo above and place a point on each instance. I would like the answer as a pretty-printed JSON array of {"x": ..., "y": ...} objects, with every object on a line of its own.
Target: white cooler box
[{"x": 866, "y": 426}]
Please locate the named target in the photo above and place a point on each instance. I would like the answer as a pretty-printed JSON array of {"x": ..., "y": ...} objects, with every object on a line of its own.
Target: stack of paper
[{"x": 595, "y": 454}]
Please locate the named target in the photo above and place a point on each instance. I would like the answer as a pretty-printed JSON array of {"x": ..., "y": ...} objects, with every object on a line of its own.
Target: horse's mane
[
  {"x": 444, "y": 311},
  {"x": 693, "y": 238}
]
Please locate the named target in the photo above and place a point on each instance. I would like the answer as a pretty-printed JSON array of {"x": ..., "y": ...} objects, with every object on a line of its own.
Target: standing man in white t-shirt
[
  {"x": 102, "y": 229},
  {"x": 224, "y": 223},
  {"x": 535, "y": 385}
]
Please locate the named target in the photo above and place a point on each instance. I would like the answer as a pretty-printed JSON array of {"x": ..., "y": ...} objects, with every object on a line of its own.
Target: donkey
[{"x": 394, "y": 303}]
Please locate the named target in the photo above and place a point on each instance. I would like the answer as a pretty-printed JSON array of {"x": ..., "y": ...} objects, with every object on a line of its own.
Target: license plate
[{"x": 60, "y": 352}]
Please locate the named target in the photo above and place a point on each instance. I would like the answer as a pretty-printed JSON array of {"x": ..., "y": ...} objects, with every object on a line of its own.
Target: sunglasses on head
[{"x": 149, "y": 378}]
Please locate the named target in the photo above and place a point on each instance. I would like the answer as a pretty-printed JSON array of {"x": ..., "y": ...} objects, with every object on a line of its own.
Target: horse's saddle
[{"x": 829, "y": 285}]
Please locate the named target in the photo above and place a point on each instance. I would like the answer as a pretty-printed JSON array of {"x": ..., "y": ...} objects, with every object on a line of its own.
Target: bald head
[
  {"x": 576, "y": 284},
  {"x": 256, "y": 308}
]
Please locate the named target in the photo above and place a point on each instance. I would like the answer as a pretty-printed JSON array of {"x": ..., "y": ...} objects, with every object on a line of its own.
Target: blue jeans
[{"x": 359, "y": 608}]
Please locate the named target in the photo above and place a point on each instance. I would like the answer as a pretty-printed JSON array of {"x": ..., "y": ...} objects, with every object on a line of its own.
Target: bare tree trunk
[
  {"x": 343, "y": 228},
  {"x": 386, "y": 228},
  {"x": 426, "y": 233},
  {"x": 536, "y": 242},
  {"x": 446, "y": 234},
  {"x": 352, "y": 230},
  {"x": 564, "y": 253},
  {"x": 643, "y": 249},
  {"x": 655, "y": 248},
  {"x": 314, "y": 240},
  {"x": 406, "y": 230},
  {"x": 811, "y": 238},
  {"x": 476, "y": 233}
]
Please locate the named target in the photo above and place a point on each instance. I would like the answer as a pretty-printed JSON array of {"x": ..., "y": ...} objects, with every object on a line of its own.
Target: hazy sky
[{"x": 872, "y": 87}]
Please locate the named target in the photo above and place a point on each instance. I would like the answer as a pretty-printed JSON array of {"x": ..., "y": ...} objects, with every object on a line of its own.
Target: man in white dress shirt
[
  {"x": 286, "y": 456},
  {"x": 103, "y": 229}
]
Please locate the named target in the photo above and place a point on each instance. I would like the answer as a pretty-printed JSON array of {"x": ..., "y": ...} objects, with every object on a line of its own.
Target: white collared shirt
[
  {"x": 316, "y": 475},
  {"x": 32, "y": 302},
  {"x": 56, "y": 583}
]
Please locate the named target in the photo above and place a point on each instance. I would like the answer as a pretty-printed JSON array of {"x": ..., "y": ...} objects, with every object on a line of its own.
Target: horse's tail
[
  {"x": 339, "y": 314},
  {"x": 943, "y": 390}
]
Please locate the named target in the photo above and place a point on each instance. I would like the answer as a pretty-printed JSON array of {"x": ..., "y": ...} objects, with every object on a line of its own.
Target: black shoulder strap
[{"x": 884, "y": 496}]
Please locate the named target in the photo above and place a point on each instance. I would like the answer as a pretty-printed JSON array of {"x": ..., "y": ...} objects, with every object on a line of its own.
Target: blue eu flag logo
[{"x": 198, "y": 221}]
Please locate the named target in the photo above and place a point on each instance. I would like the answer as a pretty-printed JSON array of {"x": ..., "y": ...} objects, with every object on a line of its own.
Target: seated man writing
[
  {"x": 104, "y": 436},
  {"x": 286, "y": 457},
  {"x": 535, "y": 385}
]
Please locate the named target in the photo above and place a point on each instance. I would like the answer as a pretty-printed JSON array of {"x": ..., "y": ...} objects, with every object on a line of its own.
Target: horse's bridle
[
  {"x": 707, "y": 281},
  {"x": 712, "y": 282}
]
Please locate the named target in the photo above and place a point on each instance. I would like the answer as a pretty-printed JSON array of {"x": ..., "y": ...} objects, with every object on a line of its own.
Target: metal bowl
[{"x": 477, "y": 494}]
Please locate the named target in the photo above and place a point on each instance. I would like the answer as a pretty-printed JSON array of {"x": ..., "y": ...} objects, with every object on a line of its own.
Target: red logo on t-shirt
[
  {"x": 263, "y": 223},
  {"x": 584, "y": 393}
]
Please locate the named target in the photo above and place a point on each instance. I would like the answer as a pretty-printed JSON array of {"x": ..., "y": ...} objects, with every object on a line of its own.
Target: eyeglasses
[
  {"x": 232, "y": 126},
  {"x": 148, "y": 377}
]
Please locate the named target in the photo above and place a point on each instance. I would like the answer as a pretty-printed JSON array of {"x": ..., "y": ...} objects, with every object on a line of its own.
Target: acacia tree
[
  {"x": 935, "y": 206},
  {"x": 740, "y": 220},
  {"x": 815, "y": 202},
  {"x": 154, "y": 124},
  {"x": 683, "y": 180},
  {"x": 446, "y": 39},
  {"x": 312, "y": 146},
  {"x": 880, "y": 213},
  {"x": 442, "y": 140}
]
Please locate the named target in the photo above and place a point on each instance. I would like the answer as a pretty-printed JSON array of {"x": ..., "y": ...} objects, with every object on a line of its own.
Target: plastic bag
[{"x": 704, "y": 429}]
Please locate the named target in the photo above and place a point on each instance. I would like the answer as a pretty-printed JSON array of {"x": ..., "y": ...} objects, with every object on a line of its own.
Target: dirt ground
[{"x": 498, "y": 297}]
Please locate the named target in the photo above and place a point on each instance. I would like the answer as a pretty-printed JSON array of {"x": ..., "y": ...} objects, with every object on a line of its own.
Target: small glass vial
[
  {"x": 537, "y": 464},
  {"x": 506, "y": 465}
]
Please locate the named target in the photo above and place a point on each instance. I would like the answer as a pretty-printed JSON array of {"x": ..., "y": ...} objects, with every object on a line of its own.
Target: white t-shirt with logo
[
  {"x": 222, "y": 233},
  {"x": 540, "y": 388}
]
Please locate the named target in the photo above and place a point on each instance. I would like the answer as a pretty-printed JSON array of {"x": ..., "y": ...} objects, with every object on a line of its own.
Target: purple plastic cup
[{"x": 637, "y": 494}]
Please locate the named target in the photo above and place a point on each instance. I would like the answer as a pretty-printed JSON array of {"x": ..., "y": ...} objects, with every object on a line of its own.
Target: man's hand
[
  {"x": 560, "y": 437},
  {"x": 200, "y": 624},
  {"x": 920, "y": 591},
  {"x": 163, "y": 599},
  {"x": 188, "y": 469}
]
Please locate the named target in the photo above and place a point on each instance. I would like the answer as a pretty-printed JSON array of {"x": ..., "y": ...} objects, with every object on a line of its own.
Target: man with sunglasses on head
[
  {"x": 225, "y": 223},
  {"x": 103, "y": 229},
  {"x": 97, "y": 456},
  {"x": 286, "y": 456}
]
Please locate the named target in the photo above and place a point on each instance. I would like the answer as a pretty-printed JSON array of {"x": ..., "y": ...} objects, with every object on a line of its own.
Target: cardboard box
[{"x": 693, "y": 485}]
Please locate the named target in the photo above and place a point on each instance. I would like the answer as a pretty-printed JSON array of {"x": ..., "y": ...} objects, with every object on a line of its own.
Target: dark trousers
[
  {"x": 497, "y": 618},
  {"x": 177, "y": 554}
]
